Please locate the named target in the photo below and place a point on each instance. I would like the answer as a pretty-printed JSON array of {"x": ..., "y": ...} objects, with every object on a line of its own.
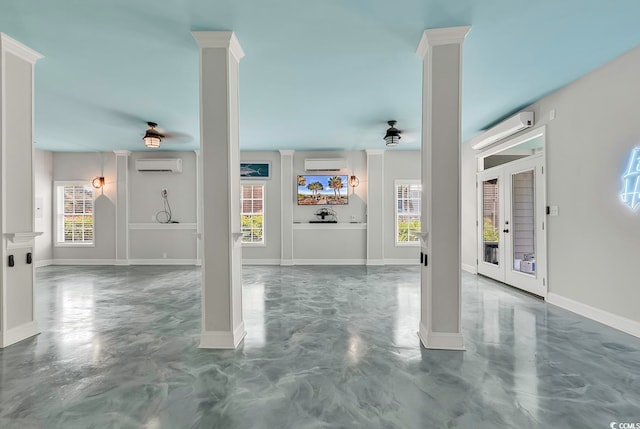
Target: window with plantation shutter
[
  {"x": 252, "y": 213},
  {"x": 74, "y": 203},
  {"x": 408, "y": 209}
]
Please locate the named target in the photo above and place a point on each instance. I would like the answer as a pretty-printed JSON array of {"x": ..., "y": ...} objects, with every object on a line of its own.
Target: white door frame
[{"x": 541, "y": 264}]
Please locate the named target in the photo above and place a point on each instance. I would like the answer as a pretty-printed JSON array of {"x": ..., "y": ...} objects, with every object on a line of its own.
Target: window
[
  {"x": 252, "y": 214},
  {"x": 74, "y": 214},
  {"x": 408, "y": 209}
]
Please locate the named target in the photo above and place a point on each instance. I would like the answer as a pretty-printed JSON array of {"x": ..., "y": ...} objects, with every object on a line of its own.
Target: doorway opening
[{"x": 511, "y": 198}]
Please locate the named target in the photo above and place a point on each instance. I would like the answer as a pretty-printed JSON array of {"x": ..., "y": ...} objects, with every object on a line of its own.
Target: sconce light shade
[
  {"x": 152, "y": 137},
  {"x": 353, "y": 181},
  {"x": 98, "y": 182},
  {"x": 392, "y": 138}
]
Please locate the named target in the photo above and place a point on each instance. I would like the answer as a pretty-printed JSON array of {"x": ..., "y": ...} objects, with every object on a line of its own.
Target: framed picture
[{"x": 255, "y": 170}]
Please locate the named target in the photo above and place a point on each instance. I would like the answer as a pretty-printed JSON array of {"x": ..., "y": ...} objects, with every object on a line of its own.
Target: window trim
[
  {"x": 264, "y": 211},
  {"x": 56, "y": 227},
  {"x": 397, "y": 183}
]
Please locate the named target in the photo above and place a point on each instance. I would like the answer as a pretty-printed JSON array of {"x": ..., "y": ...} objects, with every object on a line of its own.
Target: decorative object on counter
[
  {"x": 392, "y": 138},
  {"x": 326, "y": 215}
]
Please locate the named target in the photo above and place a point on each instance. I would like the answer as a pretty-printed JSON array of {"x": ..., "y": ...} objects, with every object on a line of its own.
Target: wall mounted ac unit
[
  {"x": 504, "y": 129},
  {"x": 332, "y": 164},
  {"x": 173, "y": 165}
]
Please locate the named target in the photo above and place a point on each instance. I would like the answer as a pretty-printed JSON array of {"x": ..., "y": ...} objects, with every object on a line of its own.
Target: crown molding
[
  {"x": 441, "y": 36},
  {"x": 219, "y": 39},
  {"x": 17, "y": 48}
]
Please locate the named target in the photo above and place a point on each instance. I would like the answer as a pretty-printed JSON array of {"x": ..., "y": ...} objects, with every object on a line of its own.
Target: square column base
[
  {"x": 19, "y": 333},
  {"x": 222, "y": 339},
  {"x": 441, "y": 340}
]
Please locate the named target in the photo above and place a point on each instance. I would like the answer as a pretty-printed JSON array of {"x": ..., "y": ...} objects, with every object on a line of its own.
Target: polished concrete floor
[{"x": 326, "y": 347}]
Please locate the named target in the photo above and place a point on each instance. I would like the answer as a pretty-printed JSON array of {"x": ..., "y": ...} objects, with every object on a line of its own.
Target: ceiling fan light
[
  {"x": 152, "y": 137},
  {"x": 392, "y": 138},
  {"x": 152, "y": 141}
]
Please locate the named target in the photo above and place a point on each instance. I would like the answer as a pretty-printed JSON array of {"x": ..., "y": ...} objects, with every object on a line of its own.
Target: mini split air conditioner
[
  {"x": 504, "y": 129},
  {"x": 173, "y": 165},
  {"x": 333, "y": 164}
]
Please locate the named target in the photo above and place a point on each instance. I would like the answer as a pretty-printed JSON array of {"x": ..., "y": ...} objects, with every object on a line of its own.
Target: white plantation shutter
[
  {"x": 408, "y": 199},
  {"x": 252, "y": 213}
]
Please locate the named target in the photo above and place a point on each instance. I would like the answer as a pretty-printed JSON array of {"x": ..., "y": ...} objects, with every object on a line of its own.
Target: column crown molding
[
  {"x": 17, "y": 48},
  {"x": 285, "y": 152},
  {"x": 375, "y": 151},
  {"x": 122, "y": 152},
  {"x": 441, "y": 36},
  {"x": 219, "y": 39}
]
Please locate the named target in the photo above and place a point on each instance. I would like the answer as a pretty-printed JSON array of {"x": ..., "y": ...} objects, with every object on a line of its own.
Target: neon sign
[{"x": 630, "y": 194}]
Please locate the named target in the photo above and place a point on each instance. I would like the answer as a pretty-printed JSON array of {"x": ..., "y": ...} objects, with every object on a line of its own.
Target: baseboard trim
[
  {"x": 19, "y": 333},
  {"x": 286, "y": 262},
  {"x": 375, "y": 262},
  {"x": 441, "y": 340},
  {"x": 329, "y": 261},
  {"x": 469, "y": 268},
  {"x": 620, "y": 323},
  {"x": 261, "y": 262},
  {"x": 163, "y": 262},
  {"x": 83, "y": 262},
  {"x": 222, "y": 339},
  {"x": 43, "y": 263},
  {"x": 411, "y": 261}
]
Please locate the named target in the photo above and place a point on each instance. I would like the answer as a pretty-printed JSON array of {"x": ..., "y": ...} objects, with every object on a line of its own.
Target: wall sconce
[
  {"x": 98, "y": 182},
  {"x": 353, "y": 182}
]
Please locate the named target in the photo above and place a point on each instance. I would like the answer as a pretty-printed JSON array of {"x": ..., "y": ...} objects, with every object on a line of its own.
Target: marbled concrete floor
[{"x": 326, "y": 347}]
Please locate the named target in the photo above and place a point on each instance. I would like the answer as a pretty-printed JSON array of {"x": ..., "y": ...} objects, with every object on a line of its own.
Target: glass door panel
[
  {"x": 491, "y": 221},
  {"x": 523, "y": 225},
  {"x": 491, "y": 248}
]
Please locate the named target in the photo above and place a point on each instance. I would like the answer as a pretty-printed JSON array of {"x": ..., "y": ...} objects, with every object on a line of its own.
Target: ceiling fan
[{"x": 153, "y": 136}]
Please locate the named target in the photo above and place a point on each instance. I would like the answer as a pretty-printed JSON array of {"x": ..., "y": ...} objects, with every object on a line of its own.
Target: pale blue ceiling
[{"x": 318, "y": 74}]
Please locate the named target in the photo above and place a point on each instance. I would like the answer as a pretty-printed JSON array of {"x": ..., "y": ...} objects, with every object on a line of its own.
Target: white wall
[
  {"x": 356, "y": 164},
  {"x": 150, "y": 242},
  {"x": 86, "y": 166},
  {"x": 469, "y": 213},
  {"x": 43, "y": 198},
  {"x": 145, "y": 201},
  {"x": 594, "y": 243},
  {"x": 398, "y": 165}
]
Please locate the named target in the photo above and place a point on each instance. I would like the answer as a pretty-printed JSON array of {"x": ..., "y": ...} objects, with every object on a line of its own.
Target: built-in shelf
[
  {"x": 164, "y": 226},
  {"x": 330, "y": 226}
]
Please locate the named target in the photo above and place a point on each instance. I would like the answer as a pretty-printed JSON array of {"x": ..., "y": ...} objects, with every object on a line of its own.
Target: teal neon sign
[{"x": 630, "y": 194}]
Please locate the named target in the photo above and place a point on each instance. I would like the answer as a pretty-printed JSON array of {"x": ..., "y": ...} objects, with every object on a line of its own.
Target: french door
[{"x": 511, "y": 216}]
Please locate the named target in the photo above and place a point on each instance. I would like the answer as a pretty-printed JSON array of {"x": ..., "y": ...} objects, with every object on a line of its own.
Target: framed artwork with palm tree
[{"x": 323, "y": 190}]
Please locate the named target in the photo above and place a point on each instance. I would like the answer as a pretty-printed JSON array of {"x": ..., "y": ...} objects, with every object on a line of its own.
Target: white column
[
  {"x": 375, "y": 207},
  {"x": 441, "y": 53},
  {"x": 17, "y": 296},
  {"x": 287, "y": 202},
  {"x": 122, "y": 206},
  {"x": 222, "y": 324}
]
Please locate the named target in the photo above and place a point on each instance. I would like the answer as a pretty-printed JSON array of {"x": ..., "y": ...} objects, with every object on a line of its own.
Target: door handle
[{"x": 505, "y": 230}]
